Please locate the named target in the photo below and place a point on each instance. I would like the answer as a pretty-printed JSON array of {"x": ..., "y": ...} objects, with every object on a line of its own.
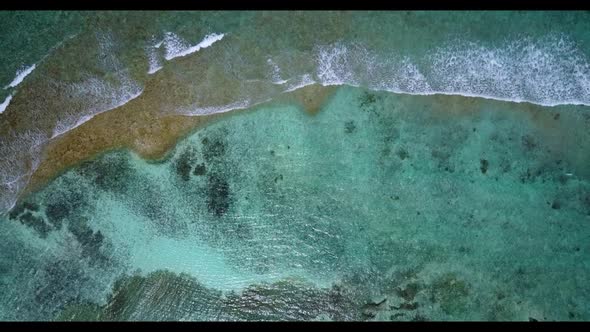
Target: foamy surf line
[
  {"x": 210, "y": 110},
  {"x": 307, "y": 81},
  {"x": 5, "y": 103},
  {"x": 22, "y": 73},
  {"x": 60, "y": 130},
  {"x": 20, "y": 76},
  {"x": 177, "y": 47},
  {"x": 471, "y": 95},
  {"x": 550, "y": 71},
  {"x": 460, "y": 94}
]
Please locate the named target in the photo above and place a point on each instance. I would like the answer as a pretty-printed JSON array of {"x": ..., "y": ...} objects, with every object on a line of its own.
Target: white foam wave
[
  {"x": 178, "y": 47},
  {"x": 205, "y": 110},
  {"x": 154, "y": 56},
  {"x": 75, "y": 120},
  {"x": 95, "y": 95},
  {"x": 301, "y": 82},
  {"x": 20, "y": 76},
  {"x": 12, "y": 189},
  {"x": 550, "y": 71},
  {"x": 5, "y": 103},
  {"x": 22, "y": 73},
  {"x": 74, "y": 103},
  {"x": 276, "y": 72},
  {"x": 154, "y": 61},
  {"x": 20, "y": 155}
]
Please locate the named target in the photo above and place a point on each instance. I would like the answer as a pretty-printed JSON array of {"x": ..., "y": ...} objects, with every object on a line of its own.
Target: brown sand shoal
[
  {"x": 143, "y": 130},
  {"x": 151, "y": 134}
]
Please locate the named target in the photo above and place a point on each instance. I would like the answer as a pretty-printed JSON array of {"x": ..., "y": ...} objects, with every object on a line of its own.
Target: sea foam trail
[
  {"x": 154, "y": 61},
  {"x": 116, "y": 100},
  {"x": 177, "y": 47},
  {"x": 154, "y": 57},
  {"x": 548, "y": 72},
  {"x": 71, "y": 104},
  {"x": 20, "y": 76},
  {"x": 99, "y": 95},
  {"x": 5, "y": 103}
]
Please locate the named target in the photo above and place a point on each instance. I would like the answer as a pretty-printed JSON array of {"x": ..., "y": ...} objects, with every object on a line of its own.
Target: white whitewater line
[
  {"x": 468, "y": 95},
  {"x": 196, "y": 111},
  {"x": 473, "y": 95},
  {"x": 154, "y": 62},
  {"x": 5, "y": 104},
  {"x": 154, "y": 57},
  {"x": 305, "y": 81},
  {"x": 60, "y": 131},
  {"x": 174, "y": 44},
  {"x": 520, "y": 71},
  {"x": 20, "y": 76},
  {"x": 154, "y": 68}
]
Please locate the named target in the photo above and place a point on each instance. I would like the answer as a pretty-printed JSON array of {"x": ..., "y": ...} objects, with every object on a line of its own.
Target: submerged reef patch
[
  {"x": 163, "y": 295},
  {"x": 377, "y": 208},
  {"x": 219, "y": 195}
]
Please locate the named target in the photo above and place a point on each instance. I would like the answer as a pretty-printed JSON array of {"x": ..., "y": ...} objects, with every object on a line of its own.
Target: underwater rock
[
  {"x": 278, "y": 178},
  {"x": 349, "y": 127},
  {"x": 89, "y": 240},
  {"x": 409, "y": 292},
  {"x": 450, "y": 292},
  {"x": 56, "y": 213},
  {"x": 31, "y": 206},
  {"x": 184, "y": 164},
  {"x": 407, "y": 306},
  {"x": 213, "y": 148},
  {"x": 483, "y": 165},
  {"x": 200, "y": 169},
  {"x": 163, "y": 295},
  {"x": 218, "y": 195},
  {"x": 16, "y": 211},
  {"x": 367, "y": 102},
  {"x": 37, "y": 223},
  {"x": 110, "y": 172},
  {"x": 20, "y": 208},
  {"x": 403, "y": 154}
]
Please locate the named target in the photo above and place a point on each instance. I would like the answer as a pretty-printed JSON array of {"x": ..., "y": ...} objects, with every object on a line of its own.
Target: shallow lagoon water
[
  {"x": 407, "y": 196},
  {"x": 378, "y": 197}
]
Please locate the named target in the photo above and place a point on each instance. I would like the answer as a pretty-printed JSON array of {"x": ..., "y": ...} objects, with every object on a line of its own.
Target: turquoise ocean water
[{"x": 445, "y": 179}]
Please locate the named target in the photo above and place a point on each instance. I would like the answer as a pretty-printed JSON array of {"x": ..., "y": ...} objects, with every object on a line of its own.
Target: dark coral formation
[
  {"x": 219, "y": 195},
  {"x": 484, "y": 164},
  {"x": 450, "y": 292},
  {"x": 57, "y": 212},
  {"x": 163, "y": 295},
  {"x": 27, "y": 213},
  {"x": 184, "y": 164},
  {"x": 110, "y": 172},
  {"x": 200, "y": 170},
  {"x": 349, "y": 127},
  {"x": 88, "y": 239},
  {"x": 213, "y": 148}
]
